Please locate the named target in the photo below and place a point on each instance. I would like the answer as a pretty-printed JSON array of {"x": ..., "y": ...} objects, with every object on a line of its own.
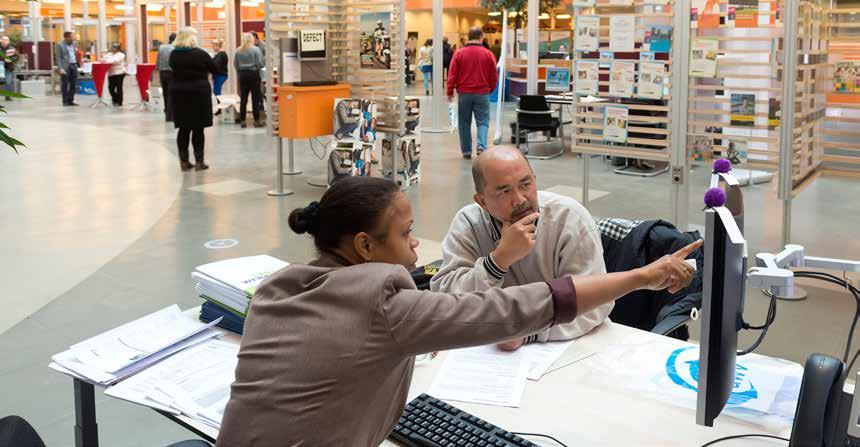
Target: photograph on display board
[
  {"x": 622, "y": 33},
  {"x": 375, "y": 40},
  {"x": 587, "y": 77},
  {"x": 587, "y": 36},
  {"x": 703, "y": 57},
  {"x": 715, "y": 130},
  {"x": 350, "y": 160},
  {"x": 744, "y": 12},
  {"x": 646, "y": 56},
  {"x": 773, "y": 106},
  {"x": 703, "y": 148},
  {"x": 737, "y": 152},
  {"x": 557, "y": 79},
  {"x": 651, "y": 77},
  {"x": 846, "y": 77},
  {"x": 401, "y": 160},
  {"x": 705, "y": 14},
  {"x": 606, "y": 58},
  {"x": 661, "y": 38},
  {"x": 621, "y": 77},
  {"x": 413, "y": 115},
  {"x": 615, "y": 124},
  {"x": 743, "y": 109},
  {"x": 355, "y": 120}
]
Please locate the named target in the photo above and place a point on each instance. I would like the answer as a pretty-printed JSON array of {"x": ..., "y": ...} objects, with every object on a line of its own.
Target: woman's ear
[{"x": 362, "y": 245}]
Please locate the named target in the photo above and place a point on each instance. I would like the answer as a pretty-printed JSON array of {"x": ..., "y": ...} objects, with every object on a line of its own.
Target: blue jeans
[
  {"x": 10, "y": 81},
  {"x": 218, "y": 81},
  {"x": 427, "y": 72},
  {"x": 467, "y": 104}
]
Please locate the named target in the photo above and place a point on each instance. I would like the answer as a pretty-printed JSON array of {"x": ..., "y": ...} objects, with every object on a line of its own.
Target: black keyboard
[
  {"x": 313, "y": 83},
  {"x": 429, "y": 422}
]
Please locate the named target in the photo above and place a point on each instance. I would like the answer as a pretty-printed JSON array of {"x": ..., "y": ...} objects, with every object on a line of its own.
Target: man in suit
[{"x": 65, "y": 59}]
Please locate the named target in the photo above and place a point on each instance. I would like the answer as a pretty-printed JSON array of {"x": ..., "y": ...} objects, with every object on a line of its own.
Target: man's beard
[{"x": 521, "y": 211}]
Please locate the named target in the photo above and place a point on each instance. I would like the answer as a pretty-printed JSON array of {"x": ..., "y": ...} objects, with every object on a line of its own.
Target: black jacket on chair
[{"x": 630, "y": 244}]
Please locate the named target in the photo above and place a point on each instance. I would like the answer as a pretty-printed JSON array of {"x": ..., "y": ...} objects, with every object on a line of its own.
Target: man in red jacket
[{"x": 473, "y": 75}]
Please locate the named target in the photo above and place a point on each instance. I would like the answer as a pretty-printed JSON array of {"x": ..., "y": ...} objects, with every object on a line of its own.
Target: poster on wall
[
  {"x": 401, "y": 160},
  {"x": 773, "y": 106},
  {"x": 587, "y": 78},
  {"x": 846, "y": 77},
  {"x": 743, "y": 109},
  {"x": 587, "y": 33},
  {"x": 621, "y": 77},
  {"x": 744, "y": 13},
  {"x": 703, "y": 148},
  {"x": 615, "y": 124},
  {"x": 651, "y": 76},
  {"x": 375, "y": 47},
  {"x": 622, "y": 33},
  {"x": 703, "y": 57},
  {"x": 661, "y": 38},
  {"x": 413, "y": 115},
  {"x": 737, "y": 152},
  {"x": 705, "y": 14}
]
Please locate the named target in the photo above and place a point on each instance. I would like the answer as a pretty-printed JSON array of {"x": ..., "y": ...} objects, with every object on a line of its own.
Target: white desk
[{"x": 569, "y": 405}]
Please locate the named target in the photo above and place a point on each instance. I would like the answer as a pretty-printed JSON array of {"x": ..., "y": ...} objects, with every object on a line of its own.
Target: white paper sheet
[
  {"x": 622, "y": 33},
  {"x": 483, "y": 375},
  {"x": 540, "y": 356}
]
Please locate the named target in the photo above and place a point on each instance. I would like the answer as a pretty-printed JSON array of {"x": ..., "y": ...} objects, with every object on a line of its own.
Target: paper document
[
  {"x": 193, "y": 382},
  {"x": 540, "y": 356},
  {"x": 483, "y": 375},
  {"x": 132, "y": 342}
]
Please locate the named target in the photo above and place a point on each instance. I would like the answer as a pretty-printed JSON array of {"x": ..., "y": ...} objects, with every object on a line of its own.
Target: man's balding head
[{"x": 505, "y": 184}]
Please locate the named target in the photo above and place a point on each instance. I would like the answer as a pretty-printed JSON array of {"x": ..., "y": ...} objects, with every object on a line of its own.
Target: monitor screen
[
  {"x": 722, "y": 307},
  {"x": 557, "y": 79},
  {"x": 312, "y": 44}
]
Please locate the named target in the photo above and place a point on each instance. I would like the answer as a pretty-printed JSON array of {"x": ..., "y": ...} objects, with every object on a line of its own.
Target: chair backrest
[{"x": 534, "y": 103}]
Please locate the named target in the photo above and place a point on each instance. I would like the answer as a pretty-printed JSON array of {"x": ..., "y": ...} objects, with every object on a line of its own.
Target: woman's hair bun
[{"x": 306, "y": 220}]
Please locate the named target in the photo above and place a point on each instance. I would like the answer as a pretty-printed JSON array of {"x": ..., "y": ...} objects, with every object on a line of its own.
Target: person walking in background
[
  {"x": 496, "y": 49},
  {"x": 248, "y": 62},
  {"x": 425, "y": 63},
  {"x": 66, "y": 61},
  {"x": 485, "y": 43},
  {"x": 11, "y": 59},
  {"x": 221, "y": 60},
  {"x": 191, "y": 96},
  {"x": 116, "y": 74},
  {"x": 473, "y": 76},
  {"x": 165, "y": 74},
  {"x": 447, "y": 54}
]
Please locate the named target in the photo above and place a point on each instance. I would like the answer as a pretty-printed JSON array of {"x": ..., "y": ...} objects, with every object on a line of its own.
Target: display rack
[
  {"x": 648, "y": 130},
  {"x": 748, "y": 63},
  {"x": 841, "y": 133}
]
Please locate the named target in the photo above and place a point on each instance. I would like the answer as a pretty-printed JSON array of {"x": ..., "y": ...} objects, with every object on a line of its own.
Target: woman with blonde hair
[
  {"x": 248, "y": 63},
  {"x": 221, "y": 60},
  {"x": 191, "y": 96}
]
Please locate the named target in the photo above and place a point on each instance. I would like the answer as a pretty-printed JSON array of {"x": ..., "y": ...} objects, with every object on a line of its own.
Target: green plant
[{"x": 520, "y": 7}]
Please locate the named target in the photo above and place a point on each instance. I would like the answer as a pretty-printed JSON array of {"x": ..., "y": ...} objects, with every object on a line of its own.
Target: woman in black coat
[{"x": 191, "y": 96}]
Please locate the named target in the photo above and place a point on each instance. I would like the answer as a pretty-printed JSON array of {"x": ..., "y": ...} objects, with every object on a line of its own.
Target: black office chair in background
[{"x": 534, "y": 115}]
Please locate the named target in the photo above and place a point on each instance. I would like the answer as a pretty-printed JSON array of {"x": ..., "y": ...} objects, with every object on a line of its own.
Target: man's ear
[
  {"x": 479, "y": 199},
  {"x": 361, "y": 243}
]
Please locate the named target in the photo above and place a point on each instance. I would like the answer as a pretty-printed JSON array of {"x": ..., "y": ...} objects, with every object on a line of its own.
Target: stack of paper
[
  {"x": 195, "y": 382},
  {"x": 231, "y": 283},
  {"x": 116, "y": 354}
]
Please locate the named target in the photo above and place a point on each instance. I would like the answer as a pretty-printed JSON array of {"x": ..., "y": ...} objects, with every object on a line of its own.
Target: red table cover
[
  {"x": 144, "y": 72},
  {"x": 100, "y": 70}
]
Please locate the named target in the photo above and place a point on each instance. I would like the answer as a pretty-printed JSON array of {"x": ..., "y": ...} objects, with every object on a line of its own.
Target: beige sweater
[
  {"x": 567, "y": 243},
  {"x": 327, "y": 354}
]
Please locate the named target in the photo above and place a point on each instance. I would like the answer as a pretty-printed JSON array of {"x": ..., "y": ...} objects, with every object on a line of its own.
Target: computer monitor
[{"x": 722, "y": 309}]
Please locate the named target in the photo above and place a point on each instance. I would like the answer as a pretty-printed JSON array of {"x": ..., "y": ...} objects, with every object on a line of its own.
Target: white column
[
  {"x": 438, "y": 103},
  {"x": 35, "y": 12},
  {"x": 167, "y": 26},
  {"x": 232, "y": 40},
  {"x": 67, "y": 15},
  {"x": 786, "y": 125},
  {"x": 131, "y": 30},
  {"x": 180, "y": 15},
  {"x": 199, "y": 24},
  {"x": 101, "y": 34},
  {"x": 678, "y": 106},
  {"x": 532, "y": 67}
]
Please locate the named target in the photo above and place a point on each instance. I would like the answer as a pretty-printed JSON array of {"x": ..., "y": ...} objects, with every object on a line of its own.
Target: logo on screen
[{"x": 682, "y": 367}]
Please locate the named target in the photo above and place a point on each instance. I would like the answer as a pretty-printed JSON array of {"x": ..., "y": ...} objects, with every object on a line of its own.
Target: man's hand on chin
[{"x": 511, "y": 345}]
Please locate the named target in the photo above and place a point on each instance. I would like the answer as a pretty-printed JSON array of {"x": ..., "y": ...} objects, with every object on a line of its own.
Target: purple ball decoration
[
  {"x": 715, "y": 197},
  {"x": 722, "y": 166}
]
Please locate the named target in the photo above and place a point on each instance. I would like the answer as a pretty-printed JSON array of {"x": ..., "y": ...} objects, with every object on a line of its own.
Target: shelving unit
[{"x": 841, "y": 130}]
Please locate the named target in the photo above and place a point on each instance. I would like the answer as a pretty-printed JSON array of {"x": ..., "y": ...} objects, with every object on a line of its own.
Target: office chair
[{"x": 534, "y": 115}]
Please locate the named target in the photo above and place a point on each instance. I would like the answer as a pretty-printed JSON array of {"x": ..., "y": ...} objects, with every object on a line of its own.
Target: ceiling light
[
  {"x": 222, "y": 15},
  {"x": 154, "y": 7},
  {"x": 53, "y": 2},
  {"x": 563, "y": 16},
  {"x": 512, "y": 14},
  {"x": 543, "y": 16},
  {"x": 213, "y": 5},
  {"x": 494, "y": 13},
  {"x": 124, "y": 7},
  {"x": 250, "y": 3}
]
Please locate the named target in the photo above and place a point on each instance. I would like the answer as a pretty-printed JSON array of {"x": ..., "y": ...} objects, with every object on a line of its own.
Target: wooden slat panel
[
  {"x": 840, "y": 159},
  {"x": 642, "y": 141},
  {"x": 601, "y": 149}
]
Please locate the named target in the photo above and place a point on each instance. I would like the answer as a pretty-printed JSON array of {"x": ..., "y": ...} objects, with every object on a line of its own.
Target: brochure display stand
[{"x": 841, "y": 136}]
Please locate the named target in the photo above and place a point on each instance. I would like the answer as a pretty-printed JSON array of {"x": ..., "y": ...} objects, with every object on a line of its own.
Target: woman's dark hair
[
  {"x": 351, "y": 205},
  {"x": 428, "y": 42}
]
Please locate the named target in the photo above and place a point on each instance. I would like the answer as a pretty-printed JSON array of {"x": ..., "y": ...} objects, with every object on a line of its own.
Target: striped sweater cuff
[
  {"x": 531, "y": 339},
  {"x": 493, "y": 269}
]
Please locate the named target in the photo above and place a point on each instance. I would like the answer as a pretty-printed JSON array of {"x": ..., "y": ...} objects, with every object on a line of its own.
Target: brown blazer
[{"x": 327, "y": 354}]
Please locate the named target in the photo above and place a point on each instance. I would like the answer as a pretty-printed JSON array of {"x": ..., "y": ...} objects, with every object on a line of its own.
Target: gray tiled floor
[{"x": 100, "y": 227}]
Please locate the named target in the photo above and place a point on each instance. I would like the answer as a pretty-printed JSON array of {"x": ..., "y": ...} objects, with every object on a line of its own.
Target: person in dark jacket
[
  {"x": 447, "y": 54},
  {"x": 191, "y": 96},
  {"x": 628, "y": 244},
  {"x": 221, "y": 60}
]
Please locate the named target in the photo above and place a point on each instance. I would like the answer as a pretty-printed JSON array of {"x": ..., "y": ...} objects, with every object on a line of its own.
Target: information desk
[
  {"x": 568, "y": 404},
  {"x": 307, "y": 112}
]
